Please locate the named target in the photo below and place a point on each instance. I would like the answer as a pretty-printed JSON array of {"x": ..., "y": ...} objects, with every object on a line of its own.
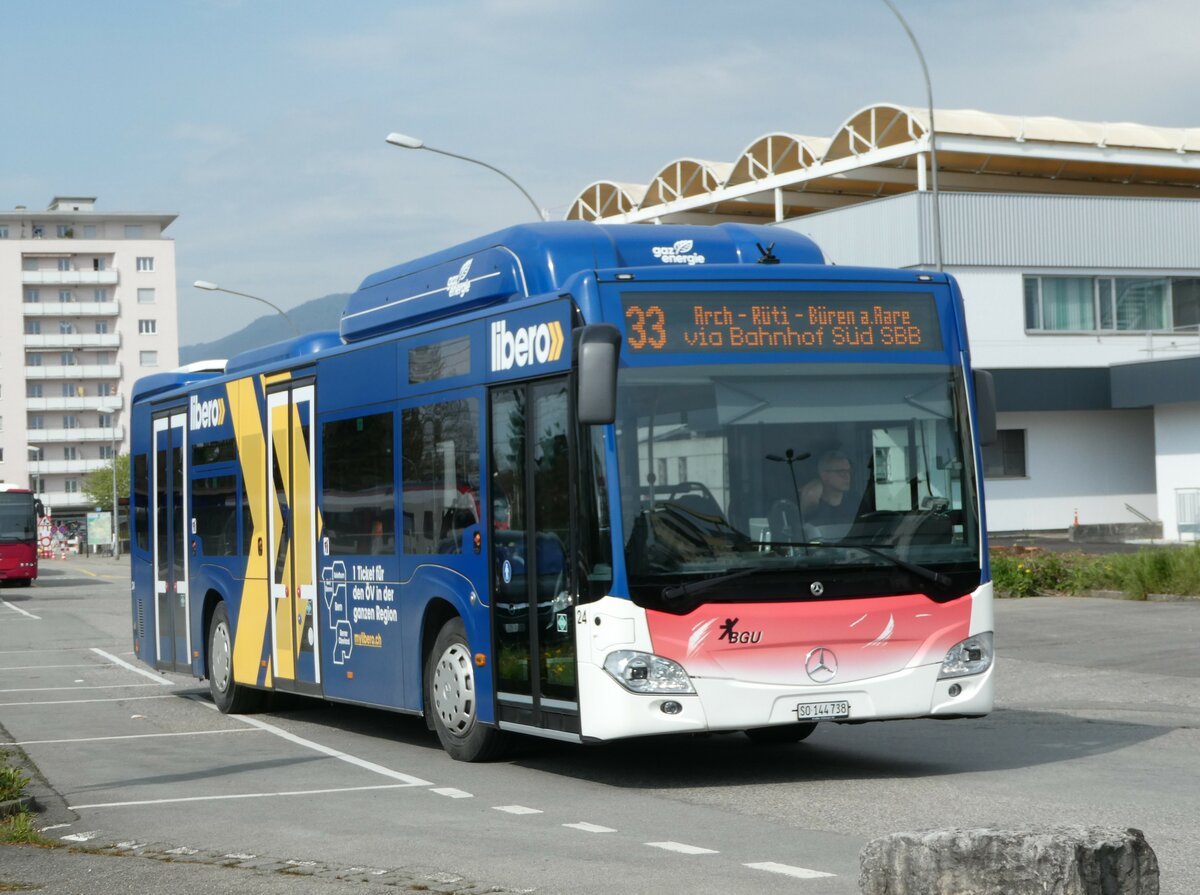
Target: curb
[{"x": 16, "y": 806}]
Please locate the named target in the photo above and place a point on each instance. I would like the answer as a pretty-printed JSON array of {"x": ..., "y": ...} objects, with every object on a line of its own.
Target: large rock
[{"x": 1047, "y": 861}]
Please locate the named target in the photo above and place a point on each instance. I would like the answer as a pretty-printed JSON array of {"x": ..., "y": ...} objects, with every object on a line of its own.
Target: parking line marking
[
  {"x": 134, "y": 736},
  {"x": 36, "y": 618},
  {"x": 683, "y": 848},
  {"x": 451, "y": 793},
  {"x": 90, "y": 687},
  {"x": 590, "y": 828},
  {"x": 317, "y": 747},
  {"x": 39, "y": 667},
  {"x": 789, "y": 870},
  {"x": 79, "y": 701},
  {"x": 516, "y": 809},
  {"x": 144, "y": 672},
  {"x": 241, "y": 795}
]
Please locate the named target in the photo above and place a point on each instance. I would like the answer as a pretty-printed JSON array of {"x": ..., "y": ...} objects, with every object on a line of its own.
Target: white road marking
[
  {"x": 789, "y": 870},
  {"x": 53, "y": 827},
  {"x": 182, "y": 850},
  {"x": 240, "y": 795},
  {"x": 144, "y": 672},
  {"x": 324, "y": 750},
  {"x": 133, "y": 736},
  {"x": 590, "y": 828},
  {"x": 79, "y": 701},
  {"x": 53, "y": 689},
  {"x": 81, "y": 837},
  {"x": 39, "y": 667},
  {"x": 683, "y": 849},
  {"x": 451, "y": 793},
  {"x": 516, "y": 809},
  {"x": 36, "y": 618}
]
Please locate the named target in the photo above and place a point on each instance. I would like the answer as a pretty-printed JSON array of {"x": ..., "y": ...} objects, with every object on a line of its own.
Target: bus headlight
[
  {"x": 647, "y": 673},
  {"x": 973, "y": 656}
]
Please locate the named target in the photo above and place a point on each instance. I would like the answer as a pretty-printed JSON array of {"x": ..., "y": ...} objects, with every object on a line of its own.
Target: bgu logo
[
  {"x": 729, "y": 633},
  {"x": 202, "y": 414},
  {"x": 537, "y": 344},
  {"x": 680, "y": 253},
  {"x": 458, "y": 285}
]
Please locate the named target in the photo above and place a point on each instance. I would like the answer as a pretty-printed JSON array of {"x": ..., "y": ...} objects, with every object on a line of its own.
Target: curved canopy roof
[{"x": 884, "y": 149}]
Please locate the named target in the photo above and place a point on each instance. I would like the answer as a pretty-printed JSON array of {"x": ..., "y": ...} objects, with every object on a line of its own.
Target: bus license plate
[{"x": 822, "y": 711}]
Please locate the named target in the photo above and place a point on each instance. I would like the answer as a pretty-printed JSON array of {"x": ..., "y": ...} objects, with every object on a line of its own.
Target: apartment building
[
  {"x": 87, "y": 300},
  {"x": 1077, "y": 246}
]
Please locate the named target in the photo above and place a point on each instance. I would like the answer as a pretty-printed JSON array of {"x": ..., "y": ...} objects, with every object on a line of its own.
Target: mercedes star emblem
[
  {"x": 817, "y": 588},
  {"x": 821, "y": 665}
]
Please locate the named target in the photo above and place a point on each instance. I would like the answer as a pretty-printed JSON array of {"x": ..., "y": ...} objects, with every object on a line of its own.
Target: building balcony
[
  {"x": 89, "y": 402},
  {"x": 72, "y": 308},
  {"x": 67, "y": 467},
  {"x": 74, "y": 436},
  {"x": 73, "y": 340},
  {"x": 79, "y": 371},
  {"x": 70, "y": 277}
]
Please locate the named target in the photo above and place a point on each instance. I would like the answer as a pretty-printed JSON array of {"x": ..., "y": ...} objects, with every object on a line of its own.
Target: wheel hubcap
[
  {"x": 454, "y": 689},
  {"x": 220, "y": 654}
]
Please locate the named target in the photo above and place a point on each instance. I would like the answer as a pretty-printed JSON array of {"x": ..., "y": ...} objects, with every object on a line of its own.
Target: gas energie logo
[
  {"x": 460, "y": 284},
  {"x": 203, "y": 414},
  {"x": 679, "y": 253},
  {"x": 538, "y": 344}
]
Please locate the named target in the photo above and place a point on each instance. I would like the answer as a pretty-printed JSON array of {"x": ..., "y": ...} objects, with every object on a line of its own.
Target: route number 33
[{"x": 646, "y": 327}]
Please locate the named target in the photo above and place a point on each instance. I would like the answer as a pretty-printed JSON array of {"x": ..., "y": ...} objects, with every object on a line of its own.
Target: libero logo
[
  {"x": 538, "y": 344},
  {"x": 203, "y": 414},
  {"x": 679, "y": 253}
]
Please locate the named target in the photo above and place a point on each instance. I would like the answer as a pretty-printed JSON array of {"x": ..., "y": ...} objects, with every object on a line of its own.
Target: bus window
[
  {"x": 440, "y": 457},
  {"x": 214, "y": 507},
  {"x": 358, "y": 485},
  {"x": 141, "y": 501}
]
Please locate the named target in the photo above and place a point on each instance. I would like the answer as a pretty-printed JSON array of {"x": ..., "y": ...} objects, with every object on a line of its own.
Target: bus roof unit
[{"x": 533, "y": 259}]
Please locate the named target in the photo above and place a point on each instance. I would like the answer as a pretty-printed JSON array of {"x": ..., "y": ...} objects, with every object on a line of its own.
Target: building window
[
  {"x": 64, "y": 263},
  {"x": 37, "y": 421},
  {"x": 33, "y": 359},
  {"x": 33, "y": 327},
  {"x": 33, "y": 390},
  {"x": 1005, "y": 459},
  {"x": 106, "y": 452},
  {"x": 1, "y": 449},
  {"x": 71, "y": 486},
  {"x": 89, "y": 231},
  {"x": 29, "y": 264},
  {"x": 104, "y": 389},
  {"x": 66, "y": 296},
  {"x": 67, "y": 359},
  {"x": 101, "y": 327},
  {"x": 1114, "y": 304},
  {"x": 38, "y": 231},
  {"x": 68, "y": 390},
  {"x": 148, "y": 358},
  {"x": 32, "y": 296},
  {"x": 145, "y": 296},
  {"x": 70, "y": 453},
  {"x": 133, "y": 231},
  {"x": 97, "y": 264},
  {"x": 145, "y": 264},
  {"x": 3, "y": 233},
  {"x": 104, "y": 420},
  {"x": 104, "y": 357},
  {"x": 39, "y": 484},
  {"x": 64, "y": 231},
  {"x": 66, "y": 328},
  {"x": 100, "y": 295},
  {"x": 147, "y": 327},
  {"x": 70, "y": 421}
]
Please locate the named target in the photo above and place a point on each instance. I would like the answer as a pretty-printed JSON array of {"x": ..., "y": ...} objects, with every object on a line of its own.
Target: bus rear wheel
[
  {"x": 231, "y": 698},
  {"x": 782, "y": 734},
  {"x": 452, "y": 701}
]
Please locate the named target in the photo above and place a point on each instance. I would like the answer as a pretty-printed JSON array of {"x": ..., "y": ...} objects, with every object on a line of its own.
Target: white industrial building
[
  {"x": 1077, "y": 246},
  {"x": 87, "y": 300}
]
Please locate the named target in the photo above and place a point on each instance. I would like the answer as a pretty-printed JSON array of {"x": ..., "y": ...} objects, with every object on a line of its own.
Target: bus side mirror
[
  {"x": 597, "y": 349},
  {"x": 985, "y": 406}
]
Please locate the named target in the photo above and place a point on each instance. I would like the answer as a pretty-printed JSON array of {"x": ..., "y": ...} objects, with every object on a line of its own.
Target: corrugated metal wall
[{"x": 1004, "y": 230}]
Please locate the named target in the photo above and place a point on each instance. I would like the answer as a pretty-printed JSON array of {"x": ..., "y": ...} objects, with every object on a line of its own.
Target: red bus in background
[{"x": 18, "y": 535}]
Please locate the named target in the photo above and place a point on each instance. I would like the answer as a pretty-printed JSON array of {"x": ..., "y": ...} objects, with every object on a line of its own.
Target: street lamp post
[
  {"x": 111, "y": 411},
  {"x": 213, "y": 287},
  {"x": 406, "y": 142},
  {"x": 937, "y": 218}
]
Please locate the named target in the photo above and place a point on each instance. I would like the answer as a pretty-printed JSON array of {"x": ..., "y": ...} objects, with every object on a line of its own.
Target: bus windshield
[
  {"x": 18, "y": 524},
  {"x": 795, "y": 482}
]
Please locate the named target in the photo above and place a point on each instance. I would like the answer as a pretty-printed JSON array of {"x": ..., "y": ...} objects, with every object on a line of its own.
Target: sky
[{"x": 261, "y": 123}]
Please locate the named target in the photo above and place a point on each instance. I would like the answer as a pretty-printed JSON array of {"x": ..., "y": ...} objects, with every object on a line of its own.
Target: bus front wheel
[
  {"x": 231, "y": 698},
  {"x": 451, "y": 698}
]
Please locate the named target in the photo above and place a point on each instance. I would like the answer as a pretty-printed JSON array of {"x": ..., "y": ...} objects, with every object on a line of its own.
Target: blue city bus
[{"x": 583, "y": 482}]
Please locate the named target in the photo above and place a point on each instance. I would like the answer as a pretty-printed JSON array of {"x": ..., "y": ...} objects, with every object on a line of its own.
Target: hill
[{"x": 318, "y": 314}]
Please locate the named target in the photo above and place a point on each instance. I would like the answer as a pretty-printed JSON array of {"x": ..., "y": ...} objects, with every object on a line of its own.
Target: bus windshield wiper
[{"x": 675, "y": 591}]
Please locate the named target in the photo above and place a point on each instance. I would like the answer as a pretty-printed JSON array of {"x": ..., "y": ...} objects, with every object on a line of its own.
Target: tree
[{"x": 98, "y": 486}]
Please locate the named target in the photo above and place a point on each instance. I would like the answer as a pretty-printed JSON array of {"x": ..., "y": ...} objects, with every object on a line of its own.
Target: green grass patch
[
  {"x": 1029, "y": 571},
  {"x": 19, "y": 829},
  {"x": 12, "y": 783}
]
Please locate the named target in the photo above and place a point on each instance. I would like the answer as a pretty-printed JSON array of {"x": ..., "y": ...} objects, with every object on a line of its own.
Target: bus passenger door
[
  {"x": 291, "y": 527},
  {"x": 532, "y": 616},
  {"x": 172, "y": 635}
]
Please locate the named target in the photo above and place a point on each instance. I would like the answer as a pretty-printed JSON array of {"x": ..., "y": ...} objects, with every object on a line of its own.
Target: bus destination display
[{"x": 780, "y": 321}]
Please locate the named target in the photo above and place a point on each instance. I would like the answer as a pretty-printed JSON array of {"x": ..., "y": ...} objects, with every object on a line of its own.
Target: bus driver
[{"x": 826, "y": 499}]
